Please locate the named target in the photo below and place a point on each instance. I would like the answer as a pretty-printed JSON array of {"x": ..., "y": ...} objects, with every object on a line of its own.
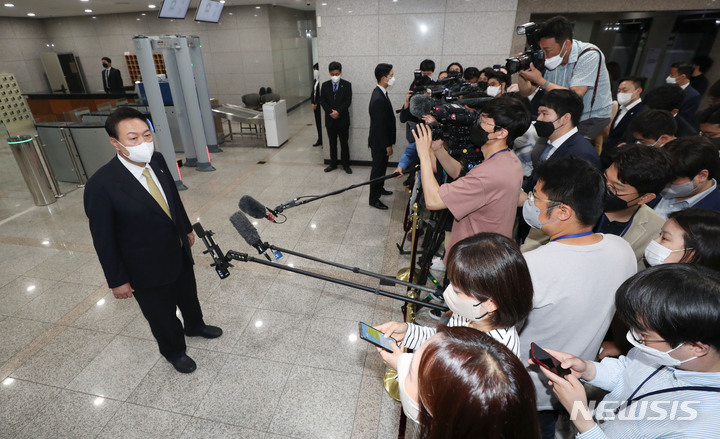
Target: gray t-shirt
[
  {"x": 574, "y": 300},
  {"x": 584, "y": 75}
]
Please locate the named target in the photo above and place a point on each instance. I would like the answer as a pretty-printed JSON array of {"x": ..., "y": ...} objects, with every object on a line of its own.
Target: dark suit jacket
[
  {"x": 315, "y": 94},
  {"x": 339, "y": 101},
  {"x": 382, "y": 121},
  {"x": 135, "y": 240},
  {"x": 574, "y": 146},
  {"x": 114, "y": 83},
  {"x": 690, "y": 105},
  {"x": 619, "y": 133}
]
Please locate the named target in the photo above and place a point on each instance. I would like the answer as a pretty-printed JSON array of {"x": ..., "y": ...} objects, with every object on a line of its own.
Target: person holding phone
[
  {"x": 490, "y": 290},
  {"x": 462, "y": 383},
  {"x": 668, "y": 386}
]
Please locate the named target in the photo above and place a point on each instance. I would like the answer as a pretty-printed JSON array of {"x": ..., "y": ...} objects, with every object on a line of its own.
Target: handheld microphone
[
  {"x": 256, "y": 209},
  {"x": 249, "y": 233},
  {"x": 219, "y": 261}
]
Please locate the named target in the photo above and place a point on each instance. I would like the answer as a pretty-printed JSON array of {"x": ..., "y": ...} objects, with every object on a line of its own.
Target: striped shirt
[
  {"x": 682, "y": 414},
  {"x": 417, "y": 335}
]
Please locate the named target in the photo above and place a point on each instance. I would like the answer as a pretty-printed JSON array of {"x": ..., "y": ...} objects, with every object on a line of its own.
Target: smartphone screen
[
  {"x": 372, "y": 335},
  {"x": 544, "y": 359}
]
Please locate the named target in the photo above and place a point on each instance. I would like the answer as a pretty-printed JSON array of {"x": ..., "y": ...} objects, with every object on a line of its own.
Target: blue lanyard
[
  {"x": 627, "y": 227},
  {"x": 577, "y": 235},
  {"x": 498, "y": 152}
]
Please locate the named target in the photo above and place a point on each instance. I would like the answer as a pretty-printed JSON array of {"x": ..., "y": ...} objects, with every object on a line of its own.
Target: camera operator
[
  {"x": 575, "y": 65},
  {"x": 471, "y": 75},
  {"x": 483, "y": 200}
]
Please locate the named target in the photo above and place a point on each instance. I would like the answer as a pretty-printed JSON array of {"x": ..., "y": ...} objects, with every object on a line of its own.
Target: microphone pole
[
  {"x": 307, "y": 199},
  {"x": 220, "y": 263},
  {"x": 244, "y": 257}
]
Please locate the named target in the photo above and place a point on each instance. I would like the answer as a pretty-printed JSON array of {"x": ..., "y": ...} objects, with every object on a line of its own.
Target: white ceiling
[{"x": 68, "y": 8}]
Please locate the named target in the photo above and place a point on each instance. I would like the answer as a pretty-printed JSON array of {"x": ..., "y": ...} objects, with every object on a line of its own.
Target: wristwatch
[{"x": 542, "y": 86}]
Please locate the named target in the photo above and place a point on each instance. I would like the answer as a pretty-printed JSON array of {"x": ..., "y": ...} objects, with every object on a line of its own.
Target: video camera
[
  {"x": 453, "y": 125},
  {"x": 533, "y": 53}
]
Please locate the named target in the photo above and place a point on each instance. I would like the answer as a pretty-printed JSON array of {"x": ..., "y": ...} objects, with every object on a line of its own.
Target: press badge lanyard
[
  {"x": 602, "y": 221},
  {"x": 577, "y": 235},
  {"x": 497, "y": 152},
  {"x": 632, "y": 397}
]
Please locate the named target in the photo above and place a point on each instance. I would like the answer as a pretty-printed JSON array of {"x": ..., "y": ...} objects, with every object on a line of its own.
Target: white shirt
[
  {"x": 624, "y": 110},
  {"x": 384, "y": 90},
  {"x": 666, "y": 206},
  {"x": 137, "y": 171},
  {"x": 559, "y": 141}
]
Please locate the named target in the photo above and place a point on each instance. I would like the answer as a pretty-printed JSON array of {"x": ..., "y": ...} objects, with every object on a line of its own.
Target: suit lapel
[{"x": 133, "y": 189}]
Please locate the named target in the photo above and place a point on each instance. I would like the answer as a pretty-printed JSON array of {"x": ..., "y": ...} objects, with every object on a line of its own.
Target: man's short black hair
[
  {"x": 471, "y": 73},
  {"x": 664, "y": 97},
  {"x": 691, "y": 154},
  {"x": 557, "y": 27},
  {"x": 105, "y": 58},
  {"x": 652, "y": 124},
  {"x": 638, "y": 81},
  {"x": 681, "y": 302},
  {"x": 563, "y": 102},
  {"x": 646, "y": 168},
  {"x": 703, "y": 62},
  {"x": 686, "y": 69},
  {"x": 119, "y": 115},
  {"x": 454, "y": 64},
  {"x": 316, "y": 66},
  {"x": 576, "y": 183},
  {"x": 503, "y": 78},
  {"x": 714, "y": 90},
  {"x": 334, "y": 66},
  {"x": 710, "y": 115},
  {"x": 509, "y": 113},
  {"x": 487, "y": 71},
  {"x": 427, "y": 65},
  {"x": 382, "y": 70}
]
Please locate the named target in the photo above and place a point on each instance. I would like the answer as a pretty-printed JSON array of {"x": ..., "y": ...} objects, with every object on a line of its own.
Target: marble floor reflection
[{"x": 77, "y": 363}]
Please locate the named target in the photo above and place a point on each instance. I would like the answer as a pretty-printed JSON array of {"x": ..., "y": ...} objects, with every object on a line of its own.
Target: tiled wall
[
  {"x": 21, "y": 43},
  {"x": 237, "y": 52},
  {"x": 362, "y": 33}
]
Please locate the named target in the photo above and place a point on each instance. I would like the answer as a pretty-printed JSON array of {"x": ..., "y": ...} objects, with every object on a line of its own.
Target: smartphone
[
  {"x": 372, "y": 335},
  {"x": 541, "y": 357}
]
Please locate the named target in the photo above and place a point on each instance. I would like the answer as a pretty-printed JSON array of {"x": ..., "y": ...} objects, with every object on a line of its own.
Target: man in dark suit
[
  {"x": 112, "y": 80},
  {"x": 336, "y": 97},
  {"x": 142, "y": 236},
  {"x": 315, "y": 101},
  {"x": 629, "y": 105},
  {"x": 382, "y": 131},
  {"x": 680, "y": 74}
]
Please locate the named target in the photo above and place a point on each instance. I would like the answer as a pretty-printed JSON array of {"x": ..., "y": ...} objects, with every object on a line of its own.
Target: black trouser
[
  {"x": 318, "y": 125},
  {"x": 379, "y": 166},
  {"x": 158, "y": 306},
  {"x": 337, "y": 129}
]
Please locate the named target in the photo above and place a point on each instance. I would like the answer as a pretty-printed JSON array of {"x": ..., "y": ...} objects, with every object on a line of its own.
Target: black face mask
[
  {"x": 613, "y": 203},
  {"x": 478, "y": 136},
  {"x": 106, "y": 65},
  {"x": 544, "y": 129}
]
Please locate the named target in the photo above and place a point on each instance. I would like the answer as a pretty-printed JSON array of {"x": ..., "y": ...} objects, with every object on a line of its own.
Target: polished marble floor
[{"x": 77, "y": 363}]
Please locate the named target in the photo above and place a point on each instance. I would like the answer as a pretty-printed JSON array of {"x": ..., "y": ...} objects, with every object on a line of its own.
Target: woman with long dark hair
[{"x": 690, "y": 236}]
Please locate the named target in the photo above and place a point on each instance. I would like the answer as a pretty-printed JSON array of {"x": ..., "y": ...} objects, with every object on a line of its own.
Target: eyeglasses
[
  {"x": 640, "y": 339},
  {"x": 531, "y": 196},
  {"x": 612, "y": 190}
]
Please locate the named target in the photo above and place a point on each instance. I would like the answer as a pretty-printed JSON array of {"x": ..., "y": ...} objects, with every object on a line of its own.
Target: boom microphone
[
  {"x": 220, "y": 263},
  {"x": 255, "y": 209},
  {"x": 421, "y": 104},
  {"x": 249, "y": 233}
]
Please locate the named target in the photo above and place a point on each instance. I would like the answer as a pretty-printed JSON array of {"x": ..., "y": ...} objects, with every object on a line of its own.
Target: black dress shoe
[
  {"x": 330, "y": 168},
  {"x": 184, "y": 364},
  {"x": 318, "y": 143},
  {"x": 347, "y": 169},
  {"x": 384, "y": 192},
  {"x": 206, "y": 332},
  {"x": 378, "y": 205}
]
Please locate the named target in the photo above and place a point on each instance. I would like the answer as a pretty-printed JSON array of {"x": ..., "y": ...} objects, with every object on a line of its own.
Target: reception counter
[{"x": 56, "y": 107}]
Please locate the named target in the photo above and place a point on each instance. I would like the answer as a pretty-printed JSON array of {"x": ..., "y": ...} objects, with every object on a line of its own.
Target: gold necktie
[{"x": 155, "y": 192}]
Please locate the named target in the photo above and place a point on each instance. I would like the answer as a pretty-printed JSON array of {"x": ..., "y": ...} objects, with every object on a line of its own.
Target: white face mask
[
  {"x": 555, "y": 61},
  {"x": 658, "y": 357},
  {"x": 493, "y": 90},
  {"x": 472, "y": 311},
  {"x": 656, "y": 253},
  {"x": 335, "y": 79},
  {"x": 670, "y": 80},
  {"x": 391, "y": 81},
  {"x": 409, "y": 405},
  {"x": 624, "y": 98},
  {"x": 141, "y": 153}
]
